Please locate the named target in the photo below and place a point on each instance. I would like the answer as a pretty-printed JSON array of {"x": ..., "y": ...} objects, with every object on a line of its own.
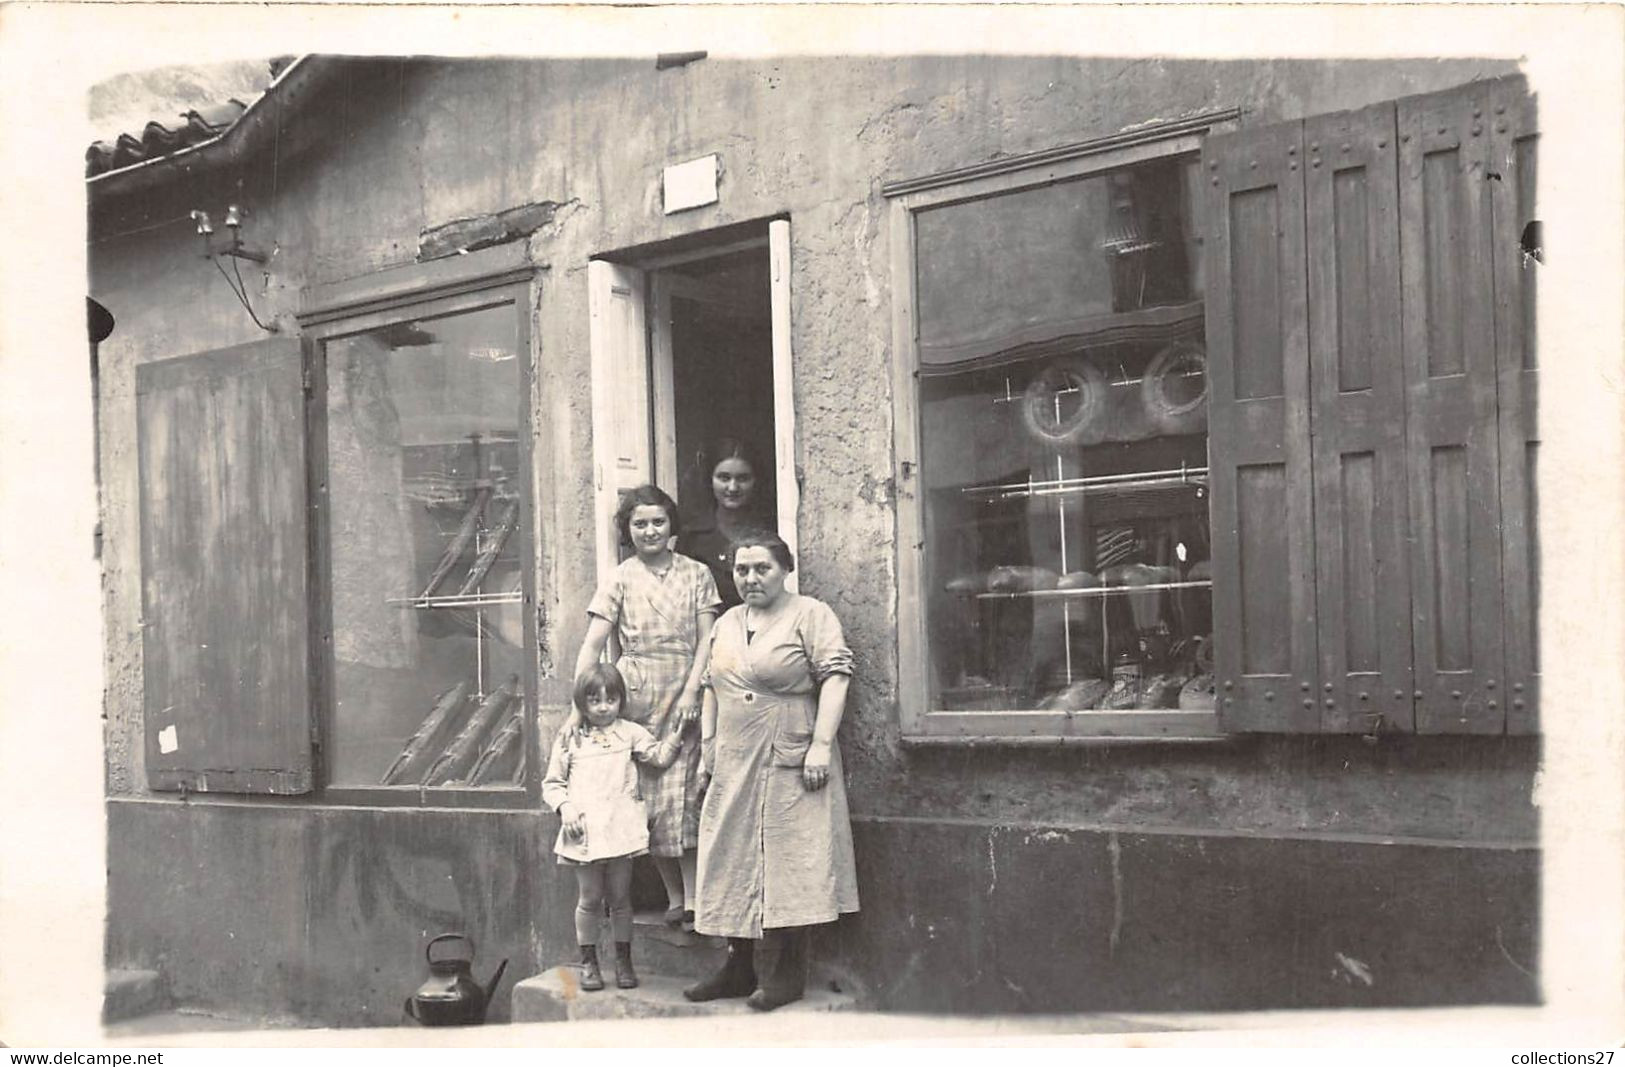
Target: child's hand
[{"x": 575, "y": 824}]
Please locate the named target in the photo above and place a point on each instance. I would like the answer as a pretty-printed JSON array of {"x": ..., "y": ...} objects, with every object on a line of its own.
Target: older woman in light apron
[{"x": 775, "y": 853}]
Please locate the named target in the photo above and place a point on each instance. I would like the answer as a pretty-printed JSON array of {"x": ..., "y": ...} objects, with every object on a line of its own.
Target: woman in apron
[{"x": 775, "y": 840}]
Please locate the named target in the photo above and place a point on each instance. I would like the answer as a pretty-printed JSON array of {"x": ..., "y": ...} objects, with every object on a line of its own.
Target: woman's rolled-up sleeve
[
  {"x": 706, "y": 597},
  {"x": 825, "y": 644},
  {"x": 606, "y": 600}
]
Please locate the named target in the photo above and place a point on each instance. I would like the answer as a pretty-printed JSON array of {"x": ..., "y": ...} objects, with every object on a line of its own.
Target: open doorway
[
  {"x": 713, "y": 324},
  {"x": 691, "y": 346}
]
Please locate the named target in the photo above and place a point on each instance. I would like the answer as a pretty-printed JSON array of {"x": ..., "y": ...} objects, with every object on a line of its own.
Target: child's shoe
[
  {"x": 592, "y": 979},
  {"x": 625, "y": 976}
]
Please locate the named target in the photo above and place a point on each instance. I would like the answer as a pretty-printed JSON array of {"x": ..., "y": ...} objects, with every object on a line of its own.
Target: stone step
[
  {"x": 129, "y": 993},
  {"x": 662, "y": 949},
  {"x": 555, "y": 995}
]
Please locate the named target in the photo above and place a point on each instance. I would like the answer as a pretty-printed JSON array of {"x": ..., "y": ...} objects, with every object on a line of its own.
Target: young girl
[
  {"x": 592, "y": 782},
  {"x": 658, "y": 607}
]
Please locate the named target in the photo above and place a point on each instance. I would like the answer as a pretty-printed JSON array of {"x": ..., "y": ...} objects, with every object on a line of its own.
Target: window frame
[
  {"x": 920, "y": 723},
  {"x": 492, "y": 278}
]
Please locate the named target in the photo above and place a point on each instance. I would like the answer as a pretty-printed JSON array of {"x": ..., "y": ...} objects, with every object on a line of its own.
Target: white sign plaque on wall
[{"x": 691, "y": 184}]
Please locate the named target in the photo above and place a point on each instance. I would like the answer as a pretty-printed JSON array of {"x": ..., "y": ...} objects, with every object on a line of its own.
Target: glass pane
[
  {"x": 1064, "y": 421},
  {"x": 424, "y": 500}
]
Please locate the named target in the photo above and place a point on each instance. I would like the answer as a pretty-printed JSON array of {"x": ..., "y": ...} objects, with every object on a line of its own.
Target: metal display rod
[{"x": 1139, "y": 480}]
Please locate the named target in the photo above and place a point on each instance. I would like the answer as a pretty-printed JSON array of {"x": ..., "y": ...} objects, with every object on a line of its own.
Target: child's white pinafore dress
[{"x": 597, "y": 775}]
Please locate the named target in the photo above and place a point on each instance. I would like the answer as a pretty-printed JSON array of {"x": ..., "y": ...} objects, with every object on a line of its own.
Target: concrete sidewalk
[{"x": 1491, "y": 1026}]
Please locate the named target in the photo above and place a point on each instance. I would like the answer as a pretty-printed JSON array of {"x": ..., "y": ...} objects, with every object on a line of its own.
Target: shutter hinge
[{"x": 307, "y": 378}]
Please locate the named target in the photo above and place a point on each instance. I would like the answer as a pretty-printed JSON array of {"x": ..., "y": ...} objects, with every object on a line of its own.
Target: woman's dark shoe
[
  {"x": 592, "y": 979},
  {"x": 688, "y": 922},
  {"x": 781, "y": 968},
  {"x": 625, "y": 976},
  {"x": 762, "y": 1000},
  {"x": 675, "y": 914},
  {"x": 736, "y": 978}
]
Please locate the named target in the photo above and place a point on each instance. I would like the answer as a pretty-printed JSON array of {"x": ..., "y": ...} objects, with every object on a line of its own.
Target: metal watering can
[{"x": 451, "y": 996}]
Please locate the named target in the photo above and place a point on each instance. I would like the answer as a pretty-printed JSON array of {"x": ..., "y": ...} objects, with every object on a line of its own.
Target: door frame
[{"x": 634, "y": 438}]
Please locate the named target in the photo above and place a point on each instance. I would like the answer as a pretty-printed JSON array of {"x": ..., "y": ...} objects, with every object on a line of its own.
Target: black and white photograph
[{"x": 813, "y": 524}]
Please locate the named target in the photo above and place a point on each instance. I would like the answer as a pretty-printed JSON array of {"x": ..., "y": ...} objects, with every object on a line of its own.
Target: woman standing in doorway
[
  {"x": 659, "y": 607},
  {"x": 735, "y": 483},
  {"x": 775, "y": 839}
]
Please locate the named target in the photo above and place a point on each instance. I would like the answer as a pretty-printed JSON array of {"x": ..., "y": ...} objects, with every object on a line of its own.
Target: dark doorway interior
[{"x": 722, "y": 370}]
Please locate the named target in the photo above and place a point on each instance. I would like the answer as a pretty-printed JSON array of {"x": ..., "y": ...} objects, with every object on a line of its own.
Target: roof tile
[{"x": 159, "y": 139}]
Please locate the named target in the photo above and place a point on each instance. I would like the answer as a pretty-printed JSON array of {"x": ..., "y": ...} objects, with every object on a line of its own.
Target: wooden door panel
[
  {"x": 1514, "y": 138},
  {"x": 1263, "y": 543},
  {"x": 1362, "y": 580},
  {"x": 1452, "y": 457},
  {"x": 621, "y": 425}
]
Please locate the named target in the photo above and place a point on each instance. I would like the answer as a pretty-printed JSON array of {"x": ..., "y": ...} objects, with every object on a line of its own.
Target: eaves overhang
[{"x": 259, "y": 125}]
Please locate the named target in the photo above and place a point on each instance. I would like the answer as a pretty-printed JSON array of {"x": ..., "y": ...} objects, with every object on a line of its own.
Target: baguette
[
  {"x": 503, "y": 743},
  {"x": 430, "y": 735},
  {"x": 1012, "y": 579},
  {"x": 464, "y": 749},
  {"x": 493, "y": 548},
  {"x": 459, "y": 543}
]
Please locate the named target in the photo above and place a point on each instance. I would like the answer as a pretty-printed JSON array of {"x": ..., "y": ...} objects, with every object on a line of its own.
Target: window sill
[{"x": 1052, "y": 728}]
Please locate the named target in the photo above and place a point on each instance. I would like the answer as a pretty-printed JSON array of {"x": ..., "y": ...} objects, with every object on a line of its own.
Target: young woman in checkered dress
[{"x": 658, "y": 607}]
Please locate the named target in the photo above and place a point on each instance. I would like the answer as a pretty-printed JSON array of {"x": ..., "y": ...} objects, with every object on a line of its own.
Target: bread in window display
[
  {"x": 966, "y": 584},
  {"x": 1162, "y": 690},
  {"x": 1013, "y": 579},
  {"x": 1078, "y": 580},
  {"x": 1173, "y": 389},
  {"x": 1084, "y": 695},
  {"x": 1197, "y": 694},
  {"x": 1201, "y": 571},
  {"x": 1123, "y": 695},
  {"x": 1064, "y": 405}
]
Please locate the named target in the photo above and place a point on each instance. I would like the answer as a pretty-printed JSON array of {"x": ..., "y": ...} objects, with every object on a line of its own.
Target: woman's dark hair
[
  {"x": 602, "y": 678},
  {"x": 730, "y": 448},
  {"x": 639, "y": 497},
  {"x": 758, "y": 538}
]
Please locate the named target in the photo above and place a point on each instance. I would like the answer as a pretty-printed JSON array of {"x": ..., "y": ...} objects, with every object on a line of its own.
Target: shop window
[
  {"x": 423, "y": 553},
  {"x": 426, "y": 663},
  {"x": 1062, "y": 485},
  {"x": 1180, "y": 455}
]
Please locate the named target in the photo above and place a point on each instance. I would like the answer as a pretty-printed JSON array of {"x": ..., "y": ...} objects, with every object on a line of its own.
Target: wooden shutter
[
  {"x": 1511, "y": 128},
  {"x": 1453, "y": 462},
  {"x": 1263, "y": 543},
  {"x": 224, "y": 579},
  {"x": 1358, "y": 420}
]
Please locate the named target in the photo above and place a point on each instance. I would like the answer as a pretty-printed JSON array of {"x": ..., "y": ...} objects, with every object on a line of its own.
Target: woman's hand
[
  {"x": 573, "y": 728},
  {"x": 688, "y": 704},
  {"x": 815, "y": 768},
  {"x": 575, "y": 823}
]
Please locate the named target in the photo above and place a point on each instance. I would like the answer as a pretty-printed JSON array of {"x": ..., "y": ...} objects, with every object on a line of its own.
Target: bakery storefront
[{"x": 1173, "y": 480}]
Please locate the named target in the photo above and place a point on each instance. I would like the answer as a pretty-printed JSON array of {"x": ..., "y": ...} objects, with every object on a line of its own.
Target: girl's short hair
[
  {"x": 759, "y": 538},
  {"x": 644, "y": 495},
  {"x": 602, "y": 678},
  {"x": 730, "y": 448}
]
